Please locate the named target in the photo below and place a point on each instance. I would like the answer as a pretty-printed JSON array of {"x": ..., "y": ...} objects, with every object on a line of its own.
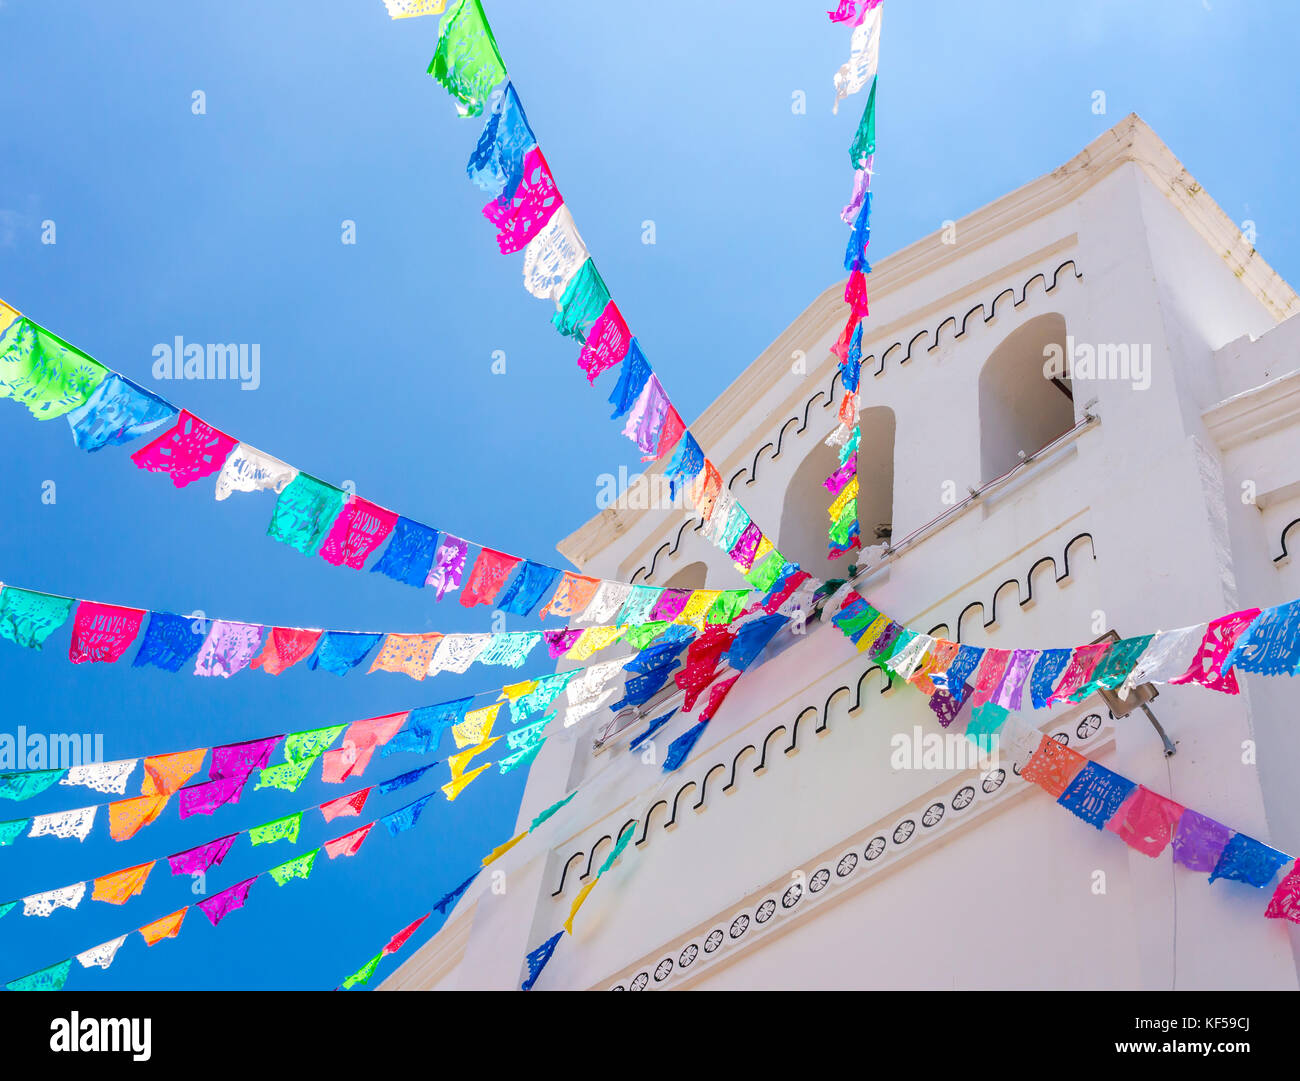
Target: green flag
[
  {"x": 44, "y": 372},
  {"x": 467, "y": 62}
]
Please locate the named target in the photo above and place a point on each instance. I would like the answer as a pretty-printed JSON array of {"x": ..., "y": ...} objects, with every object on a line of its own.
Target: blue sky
[{"x": 376, "y": 358}]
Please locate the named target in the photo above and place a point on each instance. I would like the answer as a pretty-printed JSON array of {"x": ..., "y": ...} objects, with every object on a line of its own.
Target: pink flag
[
  {"x": 101, "y": 632},
  {"x": 488, "y": 576},
  {"x": 345, "y": 806},
  {"x": 535, "y": 201},
  {"x": 220, "y": 905},
  {"x": 359, "y": 742},
  {"x": 348, "y": 844},
  {"x": 399, "y": 940},
  {"x": 186, "y": 452},
  {"x": 285, "y": 647},
  {"x": 1220, "y": 636},
  {"x": 717, "y": 694},
  {"x": 607, "y": 344},
  {"x": 1146, "y": 821},
  {"x": 357, "y": 531}
]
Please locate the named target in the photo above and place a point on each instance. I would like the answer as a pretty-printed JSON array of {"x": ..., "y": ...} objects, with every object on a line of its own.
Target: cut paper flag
[
  {"x": 166, "y": 773},
  {"x": 404, "y": 818},
  {"x": 228, "y": 648},
  {"x": 170, "y": 641},
  {"x": 409, "y": 9},
  {"x": 538, "y": 959},
  {"x": 204, "y": 799},
  {"x": 345, "y": 806},
  {"x": 497, "y": 164},
  {"x": 864, "y": 54},
  {"x": 76, "y": 823},
  {"x": 526, "y": 588},
  {"x": 521, "y": 218},
  {"x": 279, "y": 829},
  {"x": 43, "y": 372},
  {"x": 304, "y": 513},
  {"x": 186, "y": 452},
  {"x": 410, "y": 553},
  {"x": 10, "y": 831},
  {"x": 449, "y": 899},
  {"x": 194, "y": 861},
  {"x": 1247, "y": 860},
  {"x": 449, "y": 566},
  {"x": 28, "y": 783},
  {"x": 285, "y": 647},
  {"x": 363, "y": 974},
  {"x": 349, "y": 843},
  {"x": 121, "y": 886},
  {"x": 101, "y": 956},
  {"x": 455, "y": 787},
  {"x": 359, "y": 743},
  {"x": 467, "y": 63},
  {"x": 486, "y": 579},
  {"x": 358, "y": 530},
  {"x": 106, "y": 777},
  {"x": 128, "y": 817},
  {"x": 249, "y": 470},
  {"x": 28, "y": 619},
  {"x": 1146, "y": 821},
  {"x": 341, "y": 651},
  {"x": 220, "y": 905},
  {"x": 168, "y": 926},
  {"x": 400, "y": 939},
  {"x": 295, "y": 868},
  {"x": 117, "y": 412},
  {"x": 409, "y": 654},
  {"x": 43, "y": 904},
  {"x": 48, "y": 979},
  {"x": 477, "y": 726}
]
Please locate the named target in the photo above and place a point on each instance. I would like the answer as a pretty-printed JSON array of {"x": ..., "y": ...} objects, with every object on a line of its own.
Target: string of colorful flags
[
  {"x": 102, "y": 633},
  {"x": 856, "y": 74},
  {"x": 531, "y": 215},
  {"x": 366, "y": 971},
  {"x": 106, "y": 409},
  {"x": 118, "y": 887},
  {"x": 997, "y": 681},
  {"x": 216, "y": 908}
]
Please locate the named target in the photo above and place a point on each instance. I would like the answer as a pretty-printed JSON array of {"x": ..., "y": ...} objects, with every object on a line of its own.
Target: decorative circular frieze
[
  {"x": 847, "y": 865},
  {"x": 903, "y": 831},
  {"x": 1062, "y": 738},
  {"x": 639, "y": 984},
  {"x": 713, "y": 941},
  {"x": 993, "y": 780},
  {"x": 964, "y": 798},
  {"x": 765, "y": 911},
  {"x": 819, "y": 879},
  {"x": 688, "y": 955},
  {"x": 874, "y": 850},
  {"x": 791, "y": 896},
  {"x": 739, "y": 925},
  {"x": 662, "y": 969},
  {"x": 1088, "y": 726},
  {"x": 933, "y": 815}
]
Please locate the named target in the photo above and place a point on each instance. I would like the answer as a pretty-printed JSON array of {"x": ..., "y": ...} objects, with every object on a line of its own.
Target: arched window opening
[
  {"x": 804, "y": 520},
  {"x": 1025, "y": 400},
  {"x": 690, "y": 576}
]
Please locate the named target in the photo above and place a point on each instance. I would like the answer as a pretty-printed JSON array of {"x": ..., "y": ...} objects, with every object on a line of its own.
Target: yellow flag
[
  {"x": 842, "y": 500},
  {"x": 698, "y": 607},
  {"x": 458, "y": 762},
  {"x": 577, "y": 902},
  {"x": 409, "y": 9},
  {"x": 456, "y": 787},
  {"x": 477, "y": 725},
  {"x": 7, "y": 316},
  {"x": 592, "y": 640},
  {"x": 516, "y": 691},
  {"x": 501, "y": 850},
  {"x": 873, "y": 631}
]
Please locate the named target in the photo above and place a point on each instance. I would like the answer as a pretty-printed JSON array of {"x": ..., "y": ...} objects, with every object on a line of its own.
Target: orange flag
[
  {"x": 408, "y": 653},
  {"x": 127, "y": 817},
  {"x": 120, "y": 886},
  {"x": 165, "y": 773},
  {"x": 167, "y": 927}
]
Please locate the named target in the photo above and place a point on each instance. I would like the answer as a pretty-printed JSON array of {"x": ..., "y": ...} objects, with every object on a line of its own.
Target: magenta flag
[
  {"x": 607, "y": 344},
  {"x": 187, "y": 452},
  {"x": 356, "y": 532},
  {"x": 195, "y": 861},
  {"x": 240, "y": 759},
  {"x": 203, "y": 799},
  {"x": 220, "y": 905},
  {"x": 101, "y": 632}
]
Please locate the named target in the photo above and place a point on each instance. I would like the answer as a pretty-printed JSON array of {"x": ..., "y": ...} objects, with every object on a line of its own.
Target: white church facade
[{"x": 1152, "y": 483}]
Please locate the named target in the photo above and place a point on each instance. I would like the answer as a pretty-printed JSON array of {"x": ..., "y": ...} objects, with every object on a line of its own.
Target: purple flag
[
  {"x": 240, "y": 759},
  {"x": 559, "y": 643},
  {"x": 220, "y": 905},
  {"x": 1199, "y": 841},
  {"x": 449, "y": 567},
  {"x": 203, "y": 799},
  {"x": 194, "y": 861}
]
